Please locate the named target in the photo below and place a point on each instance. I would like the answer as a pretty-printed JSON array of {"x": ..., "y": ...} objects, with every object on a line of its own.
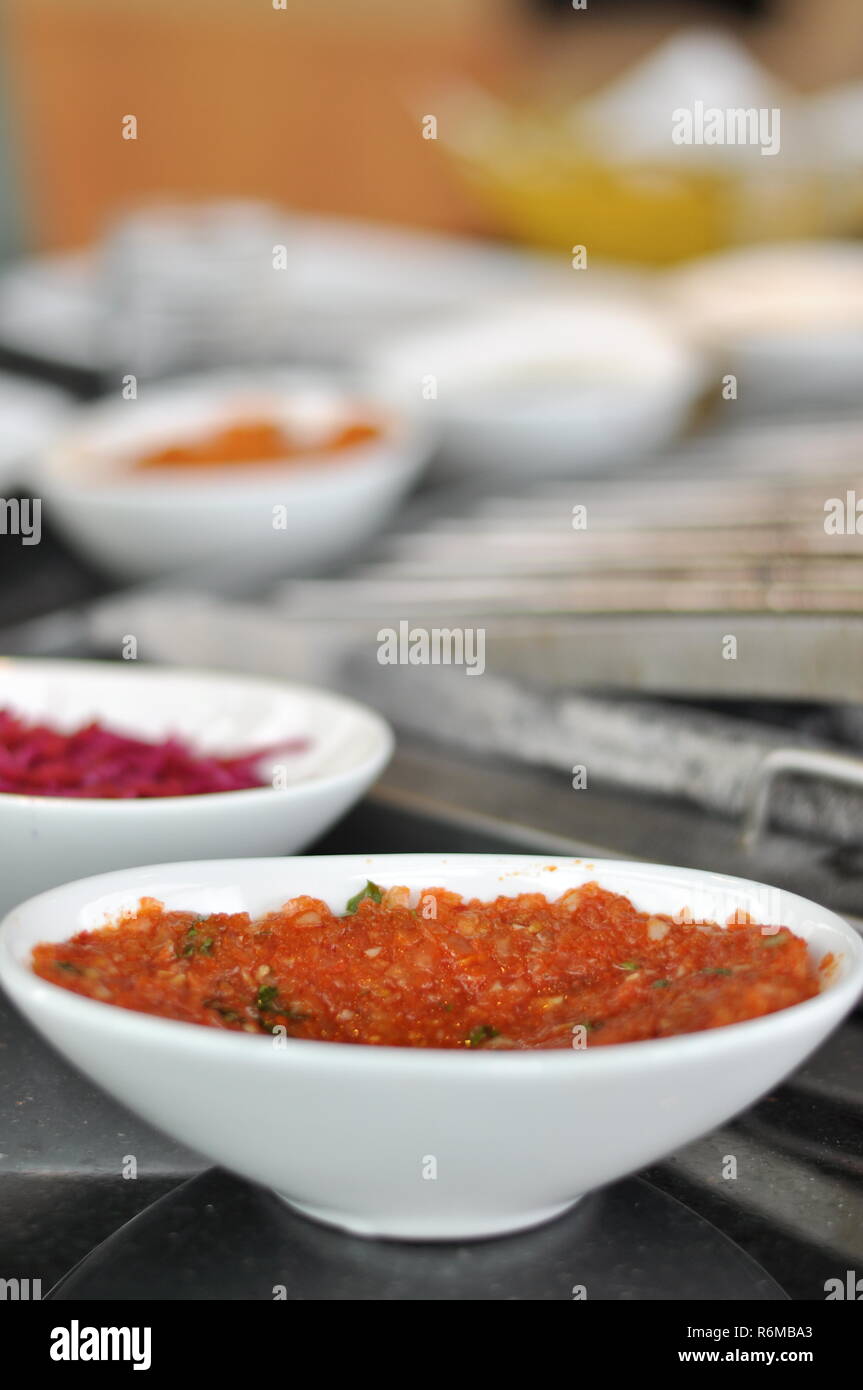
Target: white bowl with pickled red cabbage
[{"x": 98, "y": 756}]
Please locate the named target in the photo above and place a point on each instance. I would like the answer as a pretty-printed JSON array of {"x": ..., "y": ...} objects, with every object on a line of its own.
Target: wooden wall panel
[{"x": 285, "y": 106}]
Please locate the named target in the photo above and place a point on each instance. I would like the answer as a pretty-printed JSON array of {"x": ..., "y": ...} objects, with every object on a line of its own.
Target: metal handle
[{"x": 833, "y": 767}]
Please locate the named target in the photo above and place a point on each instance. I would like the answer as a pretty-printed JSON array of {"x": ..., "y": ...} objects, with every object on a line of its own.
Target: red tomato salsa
[{"x": 436, "y": 971}]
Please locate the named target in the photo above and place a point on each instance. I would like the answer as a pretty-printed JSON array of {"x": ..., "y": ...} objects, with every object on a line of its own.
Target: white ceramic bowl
[
  {"x": 45, "y": 840},
  {"x": 547, "y": 387},
  {"x": 293, "y": 518},
  {"x": 786, "y": 317},
  {"x": 346, "y": 1133}
]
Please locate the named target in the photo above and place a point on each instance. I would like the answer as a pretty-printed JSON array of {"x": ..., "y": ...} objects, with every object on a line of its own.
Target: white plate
[
  {"x": 350, "y": 1134},
  {"x": 345, "y": 282},
  {"x": 50, "y": 308}
]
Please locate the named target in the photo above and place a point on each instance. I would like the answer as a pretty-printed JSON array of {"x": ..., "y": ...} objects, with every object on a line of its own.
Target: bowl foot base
[{"x": 428, "y": 1228}]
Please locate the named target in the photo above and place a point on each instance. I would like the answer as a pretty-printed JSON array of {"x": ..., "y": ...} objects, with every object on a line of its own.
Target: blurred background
[
  {"x": 439, "y": 283},
  {"x": 316, "y": 109}
]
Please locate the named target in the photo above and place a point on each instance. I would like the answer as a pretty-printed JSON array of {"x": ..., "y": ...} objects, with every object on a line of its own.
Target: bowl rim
[
  {"x": 828, "y": 1007},
  {"x": 147, "y": 805}
]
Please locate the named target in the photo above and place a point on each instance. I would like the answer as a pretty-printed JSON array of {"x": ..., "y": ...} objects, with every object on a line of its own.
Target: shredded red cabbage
[{"x": 36, "y": 760}]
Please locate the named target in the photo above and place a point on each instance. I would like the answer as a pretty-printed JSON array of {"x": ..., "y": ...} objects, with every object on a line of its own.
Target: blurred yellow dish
[{"x": 546, "y": 187}]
